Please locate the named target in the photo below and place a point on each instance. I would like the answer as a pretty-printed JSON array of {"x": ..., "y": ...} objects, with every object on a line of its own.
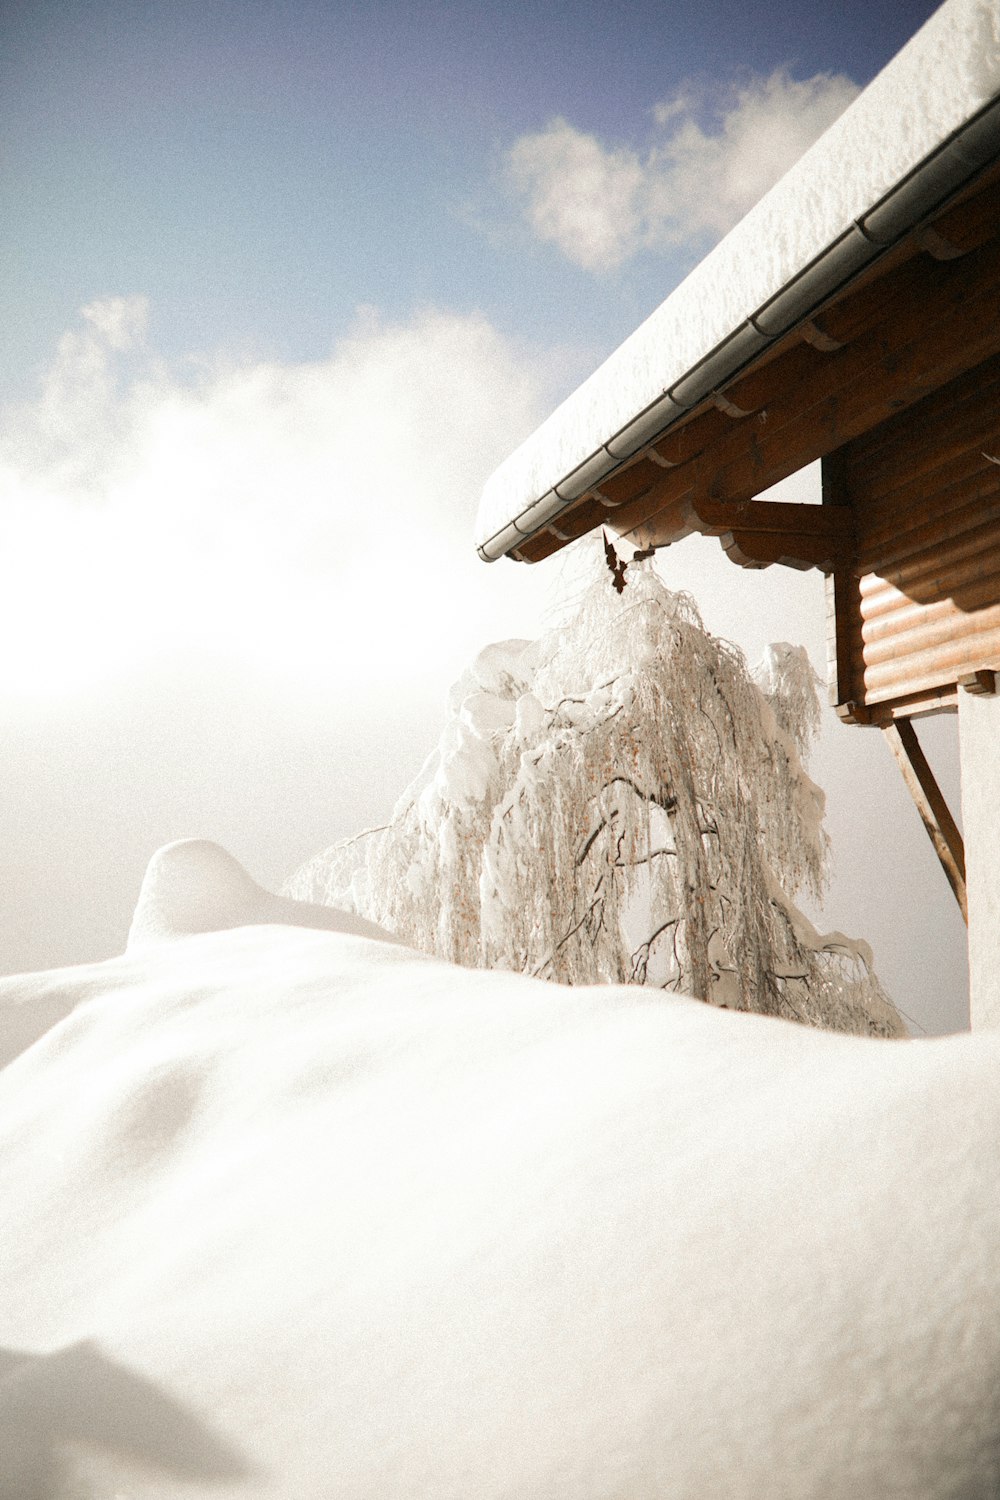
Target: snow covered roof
[{"x": 927, "y": 125}]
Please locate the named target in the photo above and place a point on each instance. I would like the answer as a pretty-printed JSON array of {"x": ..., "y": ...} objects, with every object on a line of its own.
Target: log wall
[{"x": 920, "y": 608}]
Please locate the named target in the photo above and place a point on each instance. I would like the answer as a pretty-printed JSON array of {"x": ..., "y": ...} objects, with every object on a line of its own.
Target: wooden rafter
[
  {"x": 835, "y": 397},
  {"x": 858, "y": 360}
]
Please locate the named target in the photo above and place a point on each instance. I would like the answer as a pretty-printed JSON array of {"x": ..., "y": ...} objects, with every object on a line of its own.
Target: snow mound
[
  {"x": 295, "y": 1213},
  {"x": 194, "y": 885}
]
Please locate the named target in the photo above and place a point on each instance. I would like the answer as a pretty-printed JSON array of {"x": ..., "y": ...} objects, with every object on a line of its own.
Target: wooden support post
[
  {"x": 933, "y": 809},
  {"x": 842, "y": 605}
]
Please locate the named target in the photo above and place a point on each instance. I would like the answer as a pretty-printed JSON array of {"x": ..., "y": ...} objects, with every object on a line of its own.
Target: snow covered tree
[{"x": 620, "y": 801}]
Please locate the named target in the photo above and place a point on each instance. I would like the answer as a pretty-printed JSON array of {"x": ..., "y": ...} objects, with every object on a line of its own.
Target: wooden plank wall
[{"x": 921, "y": 607}]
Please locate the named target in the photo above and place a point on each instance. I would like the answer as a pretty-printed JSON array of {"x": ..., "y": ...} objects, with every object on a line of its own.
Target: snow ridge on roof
[{"x": 947, "y": 72}]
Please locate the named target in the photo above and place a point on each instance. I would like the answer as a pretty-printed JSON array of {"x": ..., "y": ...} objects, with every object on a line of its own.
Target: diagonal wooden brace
[{"x": 931, "y": 805}]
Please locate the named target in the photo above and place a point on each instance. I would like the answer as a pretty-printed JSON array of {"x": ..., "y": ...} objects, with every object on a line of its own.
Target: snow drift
[
  {"x": 193, "y": 885},
  {"x": 293, "y": 1212}
]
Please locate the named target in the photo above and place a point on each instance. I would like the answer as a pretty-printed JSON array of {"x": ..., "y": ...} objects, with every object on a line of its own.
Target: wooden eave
[{"x": 926, "y": 312}]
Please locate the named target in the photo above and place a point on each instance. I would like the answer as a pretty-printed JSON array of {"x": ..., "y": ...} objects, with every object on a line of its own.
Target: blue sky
[
  {"x": 282, "y": 284},
  {"x": 258, "y": 170}
]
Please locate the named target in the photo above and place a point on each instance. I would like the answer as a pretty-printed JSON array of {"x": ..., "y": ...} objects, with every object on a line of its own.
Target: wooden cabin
[{"x": 874, "y": 348}]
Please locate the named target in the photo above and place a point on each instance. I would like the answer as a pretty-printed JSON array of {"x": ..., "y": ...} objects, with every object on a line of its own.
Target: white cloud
[
  {"x": 121, "y": 321},
  {"x": 312, "y": 514},
  {"x": 579, "y": 195},
  {"x": 601, "y": 205}
]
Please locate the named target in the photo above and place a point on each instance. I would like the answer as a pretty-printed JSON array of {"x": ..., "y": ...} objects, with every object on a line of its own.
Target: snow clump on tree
[{"x": 619, "y": 801}]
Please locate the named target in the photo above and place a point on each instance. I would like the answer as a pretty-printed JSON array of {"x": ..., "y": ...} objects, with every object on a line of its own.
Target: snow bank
[
  {"x": 291, "y": 1212},
  {"x": 194, "y": 885},
  {"x": 939, "y": 79}
]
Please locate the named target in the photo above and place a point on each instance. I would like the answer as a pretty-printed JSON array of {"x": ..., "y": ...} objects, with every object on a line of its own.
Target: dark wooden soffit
[{"x": 927, "y": 312}]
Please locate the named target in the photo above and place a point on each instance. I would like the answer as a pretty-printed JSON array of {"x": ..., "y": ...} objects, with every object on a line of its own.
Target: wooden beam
[
  {"x": 841, "y": 625},
  {"x": 971, "y": 222},
  {"x": 542, "y": 545},
  {"x": 936, "y": 244},
  {"x": 730, "y": 408},
  {"x": 967, "y": 397},
  {"x": 922, "y": 705},
  {"x": 981, "y": 683},
  {"x": 860, "y": 387},
  {"x": 800, "y": 550},
  {"x": 756, "y": 533},
  {"x": 833, "y": 524},
  {"x": 951, "y": 325},
  {"x": 817, "y": 337},
  {"x": 841, "y": 599},
  {"x": 888, "y": 309},
  {"x": 931, "y": 805}
]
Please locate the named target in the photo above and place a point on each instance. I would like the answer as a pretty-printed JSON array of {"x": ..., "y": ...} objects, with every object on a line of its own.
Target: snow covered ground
[{"x": 292, "y": 1212}]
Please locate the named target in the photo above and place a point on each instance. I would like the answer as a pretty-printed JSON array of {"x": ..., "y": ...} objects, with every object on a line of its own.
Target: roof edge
[{"x": 926, "y": 188}]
